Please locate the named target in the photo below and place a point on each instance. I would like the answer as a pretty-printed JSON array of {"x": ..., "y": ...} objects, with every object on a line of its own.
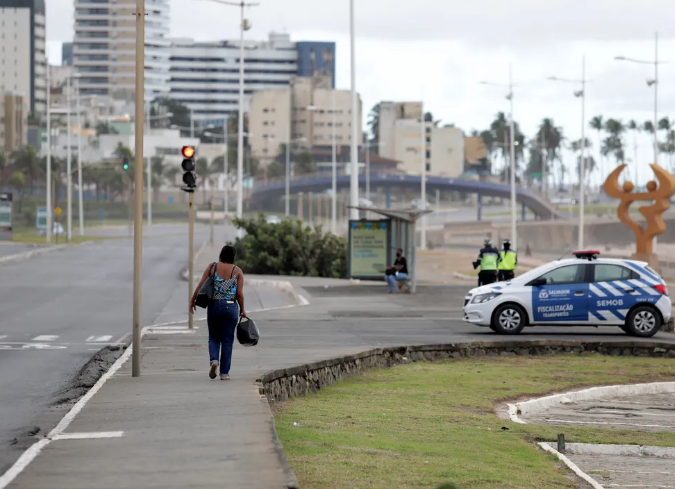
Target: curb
[
  {"x": 41, "y": 251},
  {"x": 283, "y": 285},
  {"x": 591, "y": 394},
  {"x": 310, "y": 378},
  {"x": 185, "y": 271}
]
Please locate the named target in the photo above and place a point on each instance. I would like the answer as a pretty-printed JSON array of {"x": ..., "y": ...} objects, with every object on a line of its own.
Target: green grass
[{"x": 421, "y": 425}]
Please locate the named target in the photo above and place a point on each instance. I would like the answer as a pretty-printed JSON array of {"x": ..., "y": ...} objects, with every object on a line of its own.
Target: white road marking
[
  {"x": 88, "y": 436},
  {"x": 99, "y": 339},
  {"x": 2, "y": 336},
  {"x": 572, "y": 466},
  {"x": 45, "y": 337},
  {"x": 24, "y": 460}
]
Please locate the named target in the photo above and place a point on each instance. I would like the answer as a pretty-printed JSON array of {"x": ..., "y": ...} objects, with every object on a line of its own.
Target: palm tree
[
  {"x": 17, "y": 181},
  {"x": 666, "y": 126},
  {"x": 614, "y": 143},
  {"x": 589, "y": 167},
  {"x": 597, "y": 123},
  {"x": 635, "y": 129},
  {"x": 668, "y": 147},
  {"x": 553, "y": 138},
  {"x": 157, "y": 169},
  {"x": 203, "y": 172}
]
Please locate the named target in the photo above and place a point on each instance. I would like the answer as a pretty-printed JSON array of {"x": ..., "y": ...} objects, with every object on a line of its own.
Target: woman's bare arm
[{"x": 240, "y": 292}]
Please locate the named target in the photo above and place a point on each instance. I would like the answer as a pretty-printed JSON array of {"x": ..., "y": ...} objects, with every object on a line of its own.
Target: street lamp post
[
  {"x": 244, "y": 26},
  {"x": 288, "y": 172},
  {"x": 69, "y": 178},
  {"x": 334, "y": 163},
  {"x": 509, "y": 97},
  {"x": 354, "y": 180},
  {"x": 423, "y": 179},
  {"x": 80, "y": 193},
  {"x": 49, "y": 207},
  {"x": 582, "y": 163},
  {"x": 655, "y": 83}
]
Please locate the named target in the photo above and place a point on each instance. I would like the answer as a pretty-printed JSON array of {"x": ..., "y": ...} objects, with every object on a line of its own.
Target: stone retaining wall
[{"x": 279, "y": 385}]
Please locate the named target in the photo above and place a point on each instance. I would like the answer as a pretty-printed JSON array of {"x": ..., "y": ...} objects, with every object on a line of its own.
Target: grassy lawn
[{"x": 421, "y": 425}]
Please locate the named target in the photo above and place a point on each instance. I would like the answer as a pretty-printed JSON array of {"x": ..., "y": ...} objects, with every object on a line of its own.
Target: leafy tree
[
  {"x": 613, "y": 143},
  {"x": 17, "y": 181},
  {"x": 105, "y": 128},
  {"x": 158, "y": 169},
  {"x": 275, "y": 170},
  {"x": 305, "y": 163},
  {"x": 26, "y": 160},
  {"x": 289, "y": 249},
  {"x": 203, "y": 172},
  {"x": 180, "y": 114},
  {"x": 501, "y": 130},
  {"x": 553, "y": 139},
  {"x": 3, "y": 165}
]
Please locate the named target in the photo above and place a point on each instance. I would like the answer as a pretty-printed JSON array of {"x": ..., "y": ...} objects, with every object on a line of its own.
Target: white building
[
  {"x": 23, "y": 63},
  {"x": 205, "y": 75},
  {"x": 443, "y": 148},
  {"x": 104, "y": 49}
]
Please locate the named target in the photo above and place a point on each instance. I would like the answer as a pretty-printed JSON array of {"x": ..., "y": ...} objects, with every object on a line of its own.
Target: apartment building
[
  {"x": 13, "y": 121},
  {"x": 305, "y": 111},
  {"x": 390, "y": 113},
  {"x": 23, "y": 63},
  {"x": 104, "y": 48}
]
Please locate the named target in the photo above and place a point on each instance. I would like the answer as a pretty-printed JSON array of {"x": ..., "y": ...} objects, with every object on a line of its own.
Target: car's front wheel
[
  {"x": 508, "y": 319},
  {"x": 643, "y": 321}
]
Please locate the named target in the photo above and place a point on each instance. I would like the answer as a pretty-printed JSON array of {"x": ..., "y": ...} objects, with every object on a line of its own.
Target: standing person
[
  {"x": 398, "y": 272},
  {"x": 488, "y": 259},
  {"x": 224, "y": 311},
  {"x": 508, "y": 261}
]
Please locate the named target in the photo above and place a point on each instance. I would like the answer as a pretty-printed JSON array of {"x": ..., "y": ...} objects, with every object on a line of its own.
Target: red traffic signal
[{"x": 188, "y": 152}]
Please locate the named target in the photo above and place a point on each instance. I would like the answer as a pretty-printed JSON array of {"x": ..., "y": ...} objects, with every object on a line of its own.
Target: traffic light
[
  {"x": 125, "y": 163},
  {"x": 188, "y": 165}
]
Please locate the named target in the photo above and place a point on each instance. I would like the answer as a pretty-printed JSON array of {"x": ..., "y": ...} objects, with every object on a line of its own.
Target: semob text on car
[{"x": 583, "y": 291}]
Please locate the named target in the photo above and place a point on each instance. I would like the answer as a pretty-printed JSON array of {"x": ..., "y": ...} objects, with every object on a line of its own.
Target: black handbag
[
  {"x": 248, "y": 333},
  {"x": 205, "y": 294}
]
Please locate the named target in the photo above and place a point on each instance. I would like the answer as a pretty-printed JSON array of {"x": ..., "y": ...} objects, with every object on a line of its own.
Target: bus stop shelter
[{"x": 373, "y": 243}]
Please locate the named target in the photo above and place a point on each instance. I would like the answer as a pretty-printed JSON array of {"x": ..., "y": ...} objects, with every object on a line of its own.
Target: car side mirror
[{"x": 538, "y": 282}]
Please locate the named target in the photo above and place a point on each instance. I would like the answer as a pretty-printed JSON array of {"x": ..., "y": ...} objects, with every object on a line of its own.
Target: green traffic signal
[{"x": 125, "y": 164}]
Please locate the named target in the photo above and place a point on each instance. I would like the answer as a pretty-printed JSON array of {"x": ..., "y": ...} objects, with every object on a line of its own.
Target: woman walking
[{"x": 224, "y": 311}]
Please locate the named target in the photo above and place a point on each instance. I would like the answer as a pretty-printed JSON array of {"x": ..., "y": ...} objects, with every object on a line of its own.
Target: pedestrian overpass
[{"x": 268, "y": 192}]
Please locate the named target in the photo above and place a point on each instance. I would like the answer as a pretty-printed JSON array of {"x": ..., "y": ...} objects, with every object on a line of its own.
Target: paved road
[
  {"x": 8, "y": 249},
  {"x": 58, "y": 309}
]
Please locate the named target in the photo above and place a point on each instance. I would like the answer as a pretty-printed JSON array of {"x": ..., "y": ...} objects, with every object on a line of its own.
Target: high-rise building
[
  {"x": 305, "y": 111},
  {"x": 23, "y": 63},
  {"x": 67, "y": 54},
  {"x": 205, "y": 75},
  {"x": 13, "y": 121},
  {"x": 316, "y": 58},
  {"x": 104, "y": 52}
]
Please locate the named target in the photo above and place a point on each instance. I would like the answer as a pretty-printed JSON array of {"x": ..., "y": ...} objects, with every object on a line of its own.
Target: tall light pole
[
  {"x": 49, "y": 207},
  {"x": 582, "y": 163},
  {"x": 509, "y": 97},
  {"x": 655, "y": 84},
  {"x": 80, "y": 193},
  {"x": 69, "y": 177},
  {"x": 138, "y": 190},
  {"x": 288, "y": 172},
  {"x": 423, "y": 179},
  {"x": 354, "y": 150},
  {"x": 149, "y": 168}
]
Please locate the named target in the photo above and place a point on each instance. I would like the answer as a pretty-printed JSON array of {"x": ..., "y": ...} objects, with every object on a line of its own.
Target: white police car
[{"x": 585, "y": 290}]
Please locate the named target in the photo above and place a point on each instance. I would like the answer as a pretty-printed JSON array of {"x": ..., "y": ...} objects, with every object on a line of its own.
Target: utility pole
[
  {"x": 514, "y": 230},
  {"x": 191, "y": 253},
  {"x": 80, "y": 193},
  {"x": 354, "y": 144},
  {"x": 333, "y": 209},
  {"x": 138, "y": 190},
  {"x": 69, "y": 177},
  {"x": 423, "y": 174},
  {"x": 50, "y": 207},
  {"x": 149, "y": 169}
]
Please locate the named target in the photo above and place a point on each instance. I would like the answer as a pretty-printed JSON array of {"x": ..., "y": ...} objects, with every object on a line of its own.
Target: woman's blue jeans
[
  {"x": 222, "y": 318},
  {"x": 391, "y": 280}
]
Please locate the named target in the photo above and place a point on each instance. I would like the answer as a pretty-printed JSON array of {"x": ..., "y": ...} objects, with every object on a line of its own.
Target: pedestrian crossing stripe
[
  {"x": 99, "y": 339},
  {"x": 45, "y": 337}
]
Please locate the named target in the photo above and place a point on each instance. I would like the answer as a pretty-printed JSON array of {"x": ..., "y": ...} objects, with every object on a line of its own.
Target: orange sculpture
[{"x": 644, "y": 236}]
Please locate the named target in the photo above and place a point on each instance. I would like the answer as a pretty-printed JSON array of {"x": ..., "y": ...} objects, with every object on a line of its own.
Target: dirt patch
[{"x": 88, "y": 375}]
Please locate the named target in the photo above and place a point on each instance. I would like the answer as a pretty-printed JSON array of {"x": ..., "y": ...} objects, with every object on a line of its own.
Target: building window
[
  {"x": 428, "y": 167},
  {"x": 265, "y": 123},
  {"x": 266, "y": 110},
  {"x": 428, "y": 154}
]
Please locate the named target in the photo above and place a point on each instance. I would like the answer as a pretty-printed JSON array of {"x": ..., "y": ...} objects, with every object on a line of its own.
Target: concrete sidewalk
[{"x": 180, "y": 429}]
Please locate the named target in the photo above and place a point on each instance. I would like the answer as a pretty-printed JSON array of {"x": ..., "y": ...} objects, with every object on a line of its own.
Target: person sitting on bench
[{"x": 398, "y": 272}]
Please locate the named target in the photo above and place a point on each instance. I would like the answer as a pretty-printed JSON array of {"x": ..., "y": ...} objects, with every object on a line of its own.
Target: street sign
[
  {"x": 58, "y": 211},
  {"x": 5, "y": 216},
  {"x": 41, "y": 219}
]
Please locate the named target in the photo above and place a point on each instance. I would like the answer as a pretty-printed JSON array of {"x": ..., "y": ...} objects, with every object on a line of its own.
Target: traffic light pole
[
  {"x": 191, "y": 255},
  {"x": 138, "y": 190}
]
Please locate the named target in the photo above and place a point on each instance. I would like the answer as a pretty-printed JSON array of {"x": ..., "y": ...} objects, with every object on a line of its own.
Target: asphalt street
[{"x": 60, "y": 308}]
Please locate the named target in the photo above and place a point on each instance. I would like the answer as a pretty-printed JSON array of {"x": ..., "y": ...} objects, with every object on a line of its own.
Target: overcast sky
[{"x": 441, "y": 50}]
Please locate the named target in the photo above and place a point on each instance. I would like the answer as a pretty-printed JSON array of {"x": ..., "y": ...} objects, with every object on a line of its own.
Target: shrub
[{"x": 289, "y": 248}]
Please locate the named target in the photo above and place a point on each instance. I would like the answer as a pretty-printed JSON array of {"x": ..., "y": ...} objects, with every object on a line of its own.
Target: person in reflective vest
[
  {"x": 508, "y": 261},
  {"x": 488, "y": 260}
]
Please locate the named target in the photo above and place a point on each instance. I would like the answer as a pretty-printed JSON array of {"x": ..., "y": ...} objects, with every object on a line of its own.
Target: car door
[
  {"x": 614, "y": 290},
  {"x": 563, "y": 297}
]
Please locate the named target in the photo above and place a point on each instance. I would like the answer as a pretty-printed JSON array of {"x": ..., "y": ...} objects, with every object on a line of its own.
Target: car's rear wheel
[
  {"x": 643, "y": 321},
  {"x": 508, "y": 319}
]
